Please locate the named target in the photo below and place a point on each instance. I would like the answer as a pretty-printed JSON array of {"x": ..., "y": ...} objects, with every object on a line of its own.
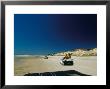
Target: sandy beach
[{"x": 22, "y": 66}]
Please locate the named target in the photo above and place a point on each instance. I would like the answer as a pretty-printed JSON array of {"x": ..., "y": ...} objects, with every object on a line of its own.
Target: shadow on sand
[{"x": 58, "y": 73}]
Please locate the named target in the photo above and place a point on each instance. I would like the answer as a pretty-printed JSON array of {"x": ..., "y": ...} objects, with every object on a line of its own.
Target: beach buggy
[{"x": 67, "y": 60}]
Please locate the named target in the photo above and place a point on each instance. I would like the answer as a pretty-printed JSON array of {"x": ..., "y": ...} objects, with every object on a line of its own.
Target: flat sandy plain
[{"x": 24, "y": 65}]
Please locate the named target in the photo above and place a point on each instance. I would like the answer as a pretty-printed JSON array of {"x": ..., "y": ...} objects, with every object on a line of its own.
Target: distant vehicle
[{"x": 45, "y": 57}]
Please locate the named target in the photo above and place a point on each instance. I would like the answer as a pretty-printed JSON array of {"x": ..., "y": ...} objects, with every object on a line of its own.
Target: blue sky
[{"x": 50, "y": 33}]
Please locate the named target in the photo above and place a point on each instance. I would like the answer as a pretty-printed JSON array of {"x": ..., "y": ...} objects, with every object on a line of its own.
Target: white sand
[{"x": 86, "y": 65}]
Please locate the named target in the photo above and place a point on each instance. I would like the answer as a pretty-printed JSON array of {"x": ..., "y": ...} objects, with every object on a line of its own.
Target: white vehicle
[
  {"x": 45, "y": 57},
  {"x": 67, "y": 61}
]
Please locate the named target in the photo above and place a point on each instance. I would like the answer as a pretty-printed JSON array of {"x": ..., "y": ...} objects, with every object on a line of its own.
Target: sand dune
[
  {"x": 80, "y": 52},
  {"x": 22, "y": 66}
]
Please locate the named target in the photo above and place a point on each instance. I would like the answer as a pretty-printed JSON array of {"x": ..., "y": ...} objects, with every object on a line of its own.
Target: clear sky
[{"x": 51, "y": 33}]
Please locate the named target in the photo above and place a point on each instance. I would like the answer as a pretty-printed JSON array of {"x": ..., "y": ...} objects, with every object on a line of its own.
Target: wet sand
[{"x": 25, "y": 65}]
